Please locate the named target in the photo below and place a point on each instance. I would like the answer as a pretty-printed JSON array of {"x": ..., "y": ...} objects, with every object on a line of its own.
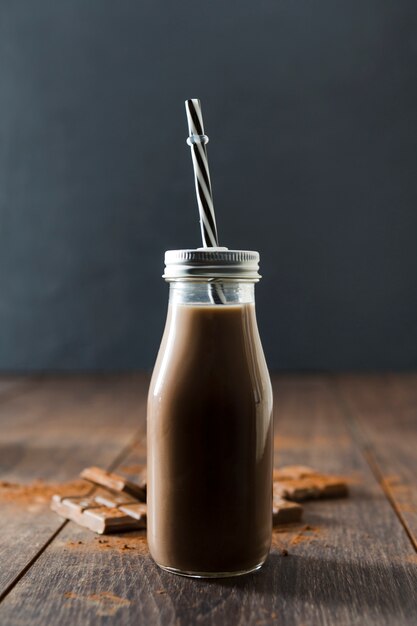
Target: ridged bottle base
[{"x": 189, "y": 574}]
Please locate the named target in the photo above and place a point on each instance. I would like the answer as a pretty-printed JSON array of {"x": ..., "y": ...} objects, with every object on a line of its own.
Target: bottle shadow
[{"x": 390, "y": 588}]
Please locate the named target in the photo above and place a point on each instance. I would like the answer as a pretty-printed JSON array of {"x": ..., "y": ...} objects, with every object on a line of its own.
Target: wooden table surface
[{"x": 353, "y": 561}]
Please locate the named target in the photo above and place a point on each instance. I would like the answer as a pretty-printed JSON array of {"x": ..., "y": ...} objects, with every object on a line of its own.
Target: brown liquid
[{"x": 210, "y": 442}]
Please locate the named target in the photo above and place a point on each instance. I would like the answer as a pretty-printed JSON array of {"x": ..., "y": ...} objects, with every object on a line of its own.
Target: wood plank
[
  {"x": 51, "y": 432},
  {"x": 353, "y": 563},
  {"x": 10, "y": 384},
  {"x": 383, "y": 409}
]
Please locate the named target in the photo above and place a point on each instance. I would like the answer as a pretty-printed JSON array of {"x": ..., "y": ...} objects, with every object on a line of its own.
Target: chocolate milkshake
[{"x": 210, "y": 429}]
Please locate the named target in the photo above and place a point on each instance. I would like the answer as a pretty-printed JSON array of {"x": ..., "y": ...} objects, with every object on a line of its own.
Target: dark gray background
[{"x": 311, "y": 108}]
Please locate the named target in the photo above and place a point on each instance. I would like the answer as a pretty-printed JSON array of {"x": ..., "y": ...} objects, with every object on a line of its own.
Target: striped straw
[{"x": 197, "y": 142}]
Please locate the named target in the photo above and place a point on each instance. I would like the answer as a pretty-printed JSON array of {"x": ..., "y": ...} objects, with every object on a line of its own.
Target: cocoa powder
[
  {"x": 293, "y": 535},
  {"x": 134, "y": 542},
  {"x": 39, "y": 491}
]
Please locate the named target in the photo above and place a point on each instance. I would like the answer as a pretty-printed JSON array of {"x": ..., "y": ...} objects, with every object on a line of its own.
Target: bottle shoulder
[{"x": 211, "y": 346}]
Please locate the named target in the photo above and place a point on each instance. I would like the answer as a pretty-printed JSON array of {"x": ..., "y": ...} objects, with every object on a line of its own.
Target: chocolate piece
[
  {"x": 76, "y": 503},
  {"x": 136, "y": 472},
  {"x": 142, "y": 480},
  {"x": 114, "y": 482},
  {"x": 100, "y": 519},
  {"x": 285, "y": 512},
  {"x": 113, "y": 500},
  {"x": 297, "y": 482},
  {"x": 104, "y": 520},
  {"x": 138, "y": 511},
  {"x": 79, "y": 503},
  {"x": 67, "y": 509}
]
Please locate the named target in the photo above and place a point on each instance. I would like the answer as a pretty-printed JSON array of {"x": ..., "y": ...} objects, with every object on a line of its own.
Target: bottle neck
[{"x": 211, "y": 293}]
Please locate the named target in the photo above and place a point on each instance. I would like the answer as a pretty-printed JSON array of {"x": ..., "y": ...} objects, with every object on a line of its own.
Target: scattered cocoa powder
[
  {"x": 74, "y": 544},
  {"x": 39, "y": 491},
  {"x": 299, "y": 539},
  {"x": 292, "y": 535},
  {"x": 136, "y": 543}
]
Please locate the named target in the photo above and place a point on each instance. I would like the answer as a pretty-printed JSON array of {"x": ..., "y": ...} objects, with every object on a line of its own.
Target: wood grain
[
  {"x": 383, "y": 410},
  {"x": 10, "y": 385},
  {"x": 351, "y": 563},
  {"x": 51, "y": 432}
]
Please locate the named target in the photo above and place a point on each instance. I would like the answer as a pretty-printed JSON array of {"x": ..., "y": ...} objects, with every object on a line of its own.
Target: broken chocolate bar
[
  {"x": 285, "y": 512},
  {"x": 113, "y": 500},
  {"x": 104, "y": 520},
  {"x": 297, "y": 482},
  {"x": 101, "y": 519},
  {"x": 136, "y": 473},
  {"x": 138, "y": 510},
  {"x": 114, "y": 482},
  {"x": 70, "y": 508},
  {"x": 77, "y": 503}
]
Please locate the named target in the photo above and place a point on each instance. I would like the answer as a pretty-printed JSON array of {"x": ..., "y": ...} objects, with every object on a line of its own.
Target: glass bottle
[{"x": 210, "y": 439}]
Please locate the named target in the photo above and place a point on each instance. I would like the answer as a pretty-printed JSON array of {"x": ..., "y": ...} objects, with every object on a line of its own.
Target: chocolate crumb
[
  {"x": 80, "y": 542},
  {"x": 284, "y": 552}
]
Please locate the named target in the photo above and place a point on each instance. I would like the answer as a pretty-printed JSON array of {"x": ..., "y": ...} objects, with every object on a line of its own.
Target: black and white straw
[{"x": 197, "y": 142}]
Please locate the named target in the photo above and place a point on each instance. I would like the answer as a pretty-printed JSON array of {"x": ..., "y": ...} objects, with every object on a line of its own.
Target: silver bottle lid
[{"x": 215, "y": 263}]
